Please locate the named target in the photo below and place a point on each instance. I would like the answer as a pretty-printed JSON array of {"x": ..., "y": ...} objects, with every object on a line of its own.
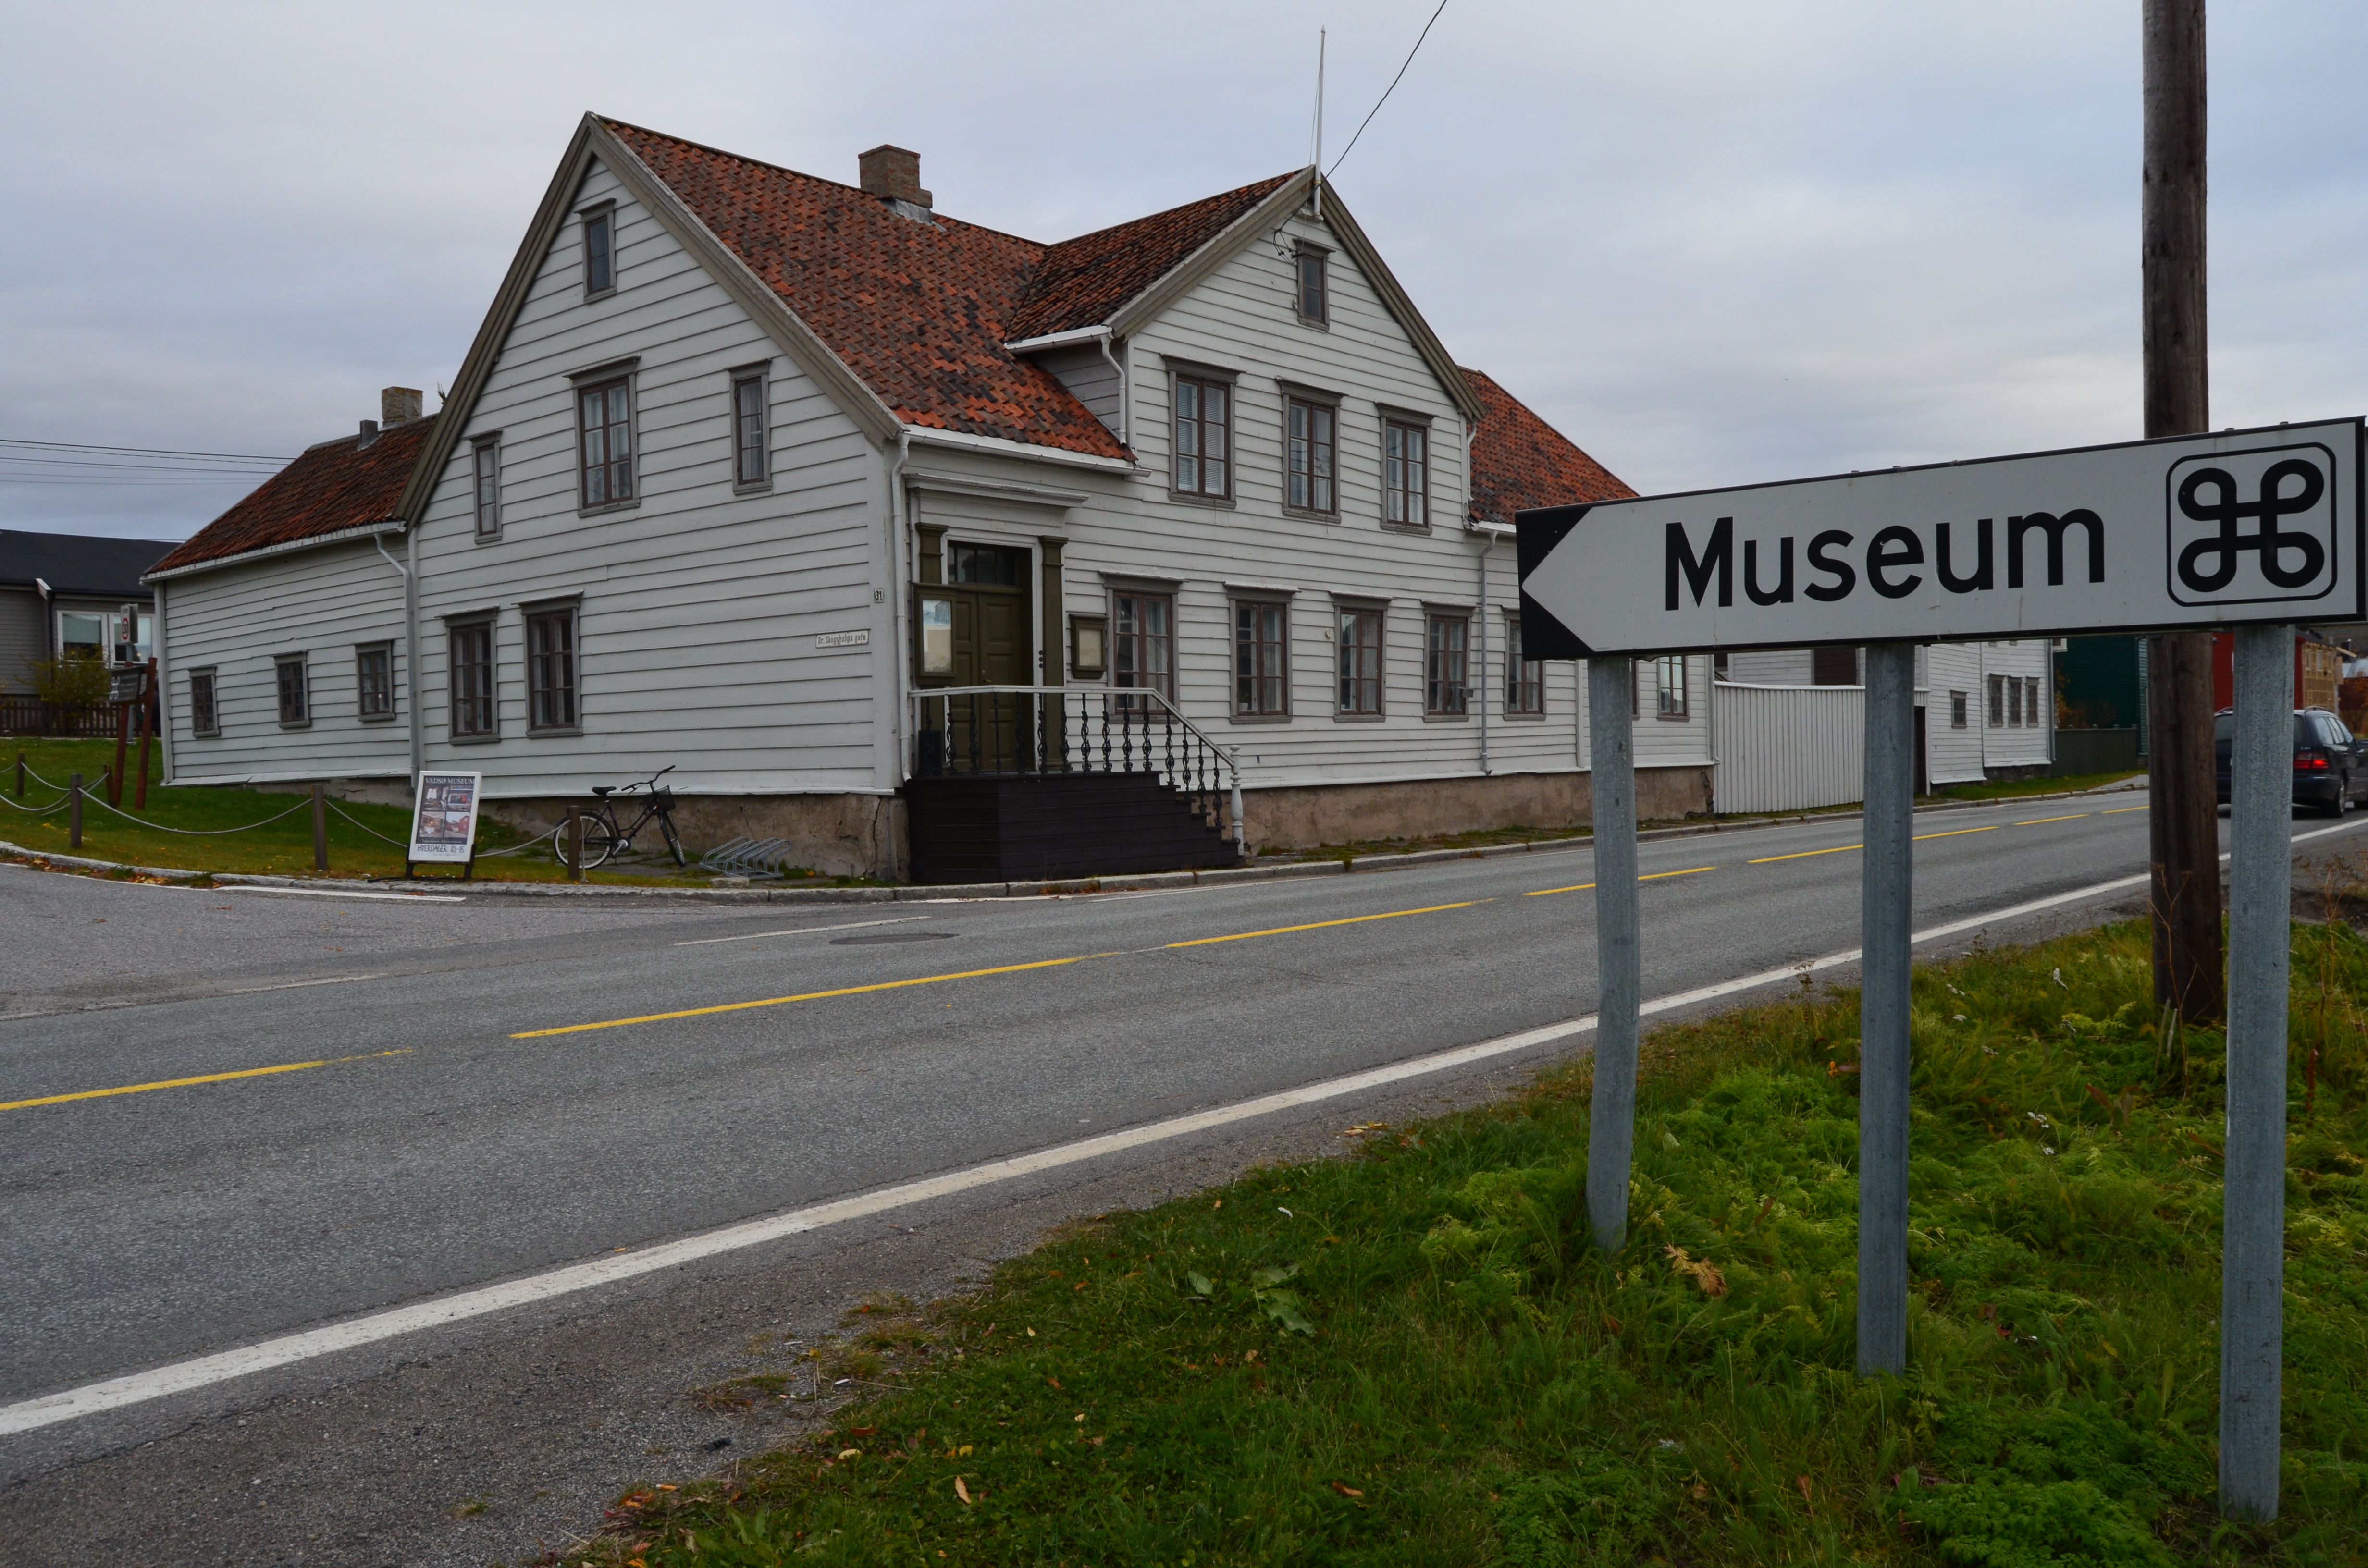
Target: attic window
[
  {"x": 599, "y": 251},
  {"x": 1314, "y": 285}
]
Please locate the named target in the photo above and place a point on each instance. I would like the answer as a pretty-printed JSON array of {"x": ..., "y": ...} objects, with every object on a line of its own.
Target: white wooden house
[{"x": 764, "y": 477}]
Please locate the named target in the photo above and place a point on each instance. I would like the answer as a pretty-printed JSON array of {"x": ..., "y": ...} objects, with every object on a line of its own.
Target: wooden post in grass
[
  {"x": 73, "y": 811},
  {"x": 320, "y": 827},
  {"x": 122, "y": 742},
  {"x": 575, "y": 844},
  {"x": 148, "y": 713}
]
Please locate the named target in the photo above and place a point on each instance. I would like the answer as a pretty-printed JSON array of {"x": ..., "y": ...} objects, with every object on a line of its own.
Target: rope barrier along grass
[
  {"x": 91, "y": 798},
  {"x": 523, "y": 848},
  {"x": 366, "y": 827},
  {"x": 34, "y": 811}
]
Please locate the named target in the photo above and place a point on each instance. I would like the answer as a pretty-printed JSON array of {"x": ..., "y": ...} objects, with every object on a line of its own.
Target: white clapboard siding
[
  {"x": 1784, "y": 748},
  {"x": 240, "y": 621},
  {"x": 700, "y": 606}
]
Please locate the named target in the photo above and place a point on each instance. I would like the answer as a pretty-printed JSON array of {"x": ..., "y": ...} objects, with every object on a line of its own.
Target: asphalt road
[{"x": 405, "y": 1100}]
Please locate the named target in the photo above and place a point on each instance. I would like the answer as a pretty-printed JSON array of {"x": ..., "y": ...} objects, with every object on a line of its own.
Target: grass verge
[
  {"x": 2008, "y": 789},
  {"x": 1414, "y": 1355},
  {"x": 280, "y": 845}
]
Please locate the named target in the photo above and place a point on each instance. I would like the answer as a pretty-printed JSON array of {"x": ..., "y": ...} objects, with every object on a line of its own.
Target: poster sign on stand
[{"x": 444, "y": 822}]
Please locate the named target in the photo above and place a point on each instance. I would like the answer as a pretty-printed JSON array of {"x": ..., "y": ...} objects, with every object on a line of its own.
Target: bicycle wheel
[
  {"x": 666, "y": 826},
  {"x": 600, "y": 840}
]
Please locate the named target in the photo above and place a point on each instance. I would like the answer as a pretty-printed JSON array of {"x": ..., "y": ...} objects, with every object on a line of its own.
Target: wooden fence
[{"x": 30, "y": 716}]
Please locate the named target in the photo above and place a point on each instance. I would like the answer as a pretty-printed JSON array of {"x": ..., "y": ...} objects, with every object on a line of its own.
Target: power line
[
  {"x": 142, "y": 451},
  {"x": 1385, "y": 93}
]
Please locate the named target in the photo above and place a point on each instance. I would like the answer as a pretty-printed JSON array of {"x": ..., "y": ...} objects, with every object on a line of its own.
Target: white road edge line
[
  {"x": 800, "y": 931},
  {"x": 297, "y": 985},
  {"x": 330, "y": 892},
  {"x": 182, "y": 1376}
]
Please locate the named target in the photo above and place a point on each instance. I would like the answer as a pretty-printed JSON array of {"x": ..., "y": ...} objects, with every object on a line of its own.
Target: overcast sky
[{"x": 1713, "y": 241}]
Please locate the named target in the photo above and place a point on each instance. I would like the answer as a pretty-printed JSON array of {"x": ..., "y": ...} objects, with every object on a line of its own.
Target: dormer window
[
  {"x": 1314, "y": 285},
  {"x": 599, "y": 251}
]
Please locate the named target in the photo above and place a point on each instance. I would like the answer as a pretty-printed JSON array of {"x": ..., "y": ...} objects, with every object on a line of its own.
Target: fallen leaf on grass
[
  {"x": 962, "y": 1492},
  {"x": 863, "y": 1432},
  {"x": 1345, "y": 1490},
  {"x": 1802, "y": 1482},
  {"x": 1610, "y": 1322},
  {"x": 850, "y": 1453},
  {"x": 1702, "y": 1271}
]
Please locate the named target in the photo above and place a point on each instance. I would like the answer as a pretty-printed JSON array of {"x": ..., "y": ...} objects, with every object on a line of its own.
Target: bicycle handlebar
[{"x": 647, "y": 783}]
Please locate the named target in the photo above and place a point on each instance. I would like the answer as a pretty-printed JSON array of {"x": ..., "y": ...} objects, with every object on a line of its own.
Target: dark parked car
[{"x": 2330, "y": 763}]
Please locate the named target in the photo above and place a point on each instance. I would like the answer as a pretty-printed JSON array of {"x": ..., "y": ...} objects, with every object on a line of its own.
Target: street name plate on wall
[
  {"x": 2197, "y": 530},
  {"x": 843, "y": 639},
  {"x": 444, "y": 818}
]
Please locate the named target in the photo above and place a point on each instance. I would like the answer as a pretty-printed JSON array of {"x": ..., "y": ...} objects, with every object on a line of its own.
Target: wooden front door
[{"x": 978, "y": 629}]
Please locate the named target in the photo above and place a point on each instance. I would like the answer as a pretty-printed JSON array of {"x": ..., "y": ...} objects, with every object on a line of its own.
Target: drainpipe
[
  {"x": 902, "y": 573},
  {"x": 410, "y": 640},
  {"x": 1125, "y": 392},
  {"x": 1487, "y": 547}
]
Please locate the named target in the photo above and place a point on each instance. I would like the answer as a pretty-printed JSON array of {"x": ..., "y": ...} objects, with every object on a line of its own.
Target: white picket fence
[{"x": 1784, "y": 749}]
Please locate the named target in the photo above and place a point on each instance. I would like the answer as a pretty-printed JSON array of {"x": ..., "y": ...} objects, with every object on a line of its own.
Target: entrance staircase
[{"x": 1036, "y": 783}]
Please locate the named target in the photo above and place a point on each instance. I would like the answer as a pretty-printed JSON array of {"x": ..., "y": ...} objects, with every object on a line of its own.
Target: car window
[
  {"x": 2338, "y": 733},
  {"x": 2224, "y": 728}
]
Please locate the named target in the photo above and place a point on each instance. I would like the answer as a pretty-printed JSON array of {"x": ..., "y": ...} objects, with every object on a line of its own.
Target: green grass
[
  {"x": 282, "y": 846},
  {"x": 2006, "y": 789},
  {"x": 1414, "y": 1355}
]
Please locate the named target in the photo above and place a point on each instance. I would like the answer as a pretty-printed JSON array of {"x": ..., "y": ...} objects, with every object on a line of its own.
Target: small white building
[{"x": 767, "y": 477}]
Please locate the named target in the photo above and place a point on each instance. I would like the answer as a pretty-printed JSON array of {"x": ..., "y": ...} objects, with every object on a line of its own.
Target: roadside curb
[{"x": 962, "y": 893}]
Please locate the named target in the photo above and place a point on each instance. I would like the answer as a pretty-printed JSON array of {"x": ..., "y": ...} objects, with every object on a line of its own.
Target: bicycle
[{"x": 602, "y": 836}]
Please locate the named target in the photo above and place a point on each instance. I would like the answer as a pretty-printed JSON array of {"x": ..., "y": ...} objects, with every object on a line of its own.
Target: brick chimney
[
  {"x": 895, "y": 174},
  {"x": 398, "y": 405}
]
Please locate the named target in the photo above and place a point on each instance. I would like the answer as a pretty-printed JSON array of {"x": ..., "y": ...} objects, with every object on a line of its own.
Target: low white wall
[{"x": 1784, "y": 748}]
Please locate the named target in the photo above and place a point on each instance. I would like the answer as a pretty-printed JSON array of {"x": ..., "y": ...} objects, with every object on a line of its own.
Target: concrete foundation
[
  {"x": 1304, "y": 817},
  {"x": 835, "y": 835}
]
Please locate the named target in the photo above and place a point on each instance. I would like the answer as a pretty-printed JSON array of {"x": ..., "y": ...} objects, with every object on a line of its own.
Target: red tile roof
[
  {"x": 1083, "y": 281},
  {"x": 333, "y": 487},
  {"x": 1518, "y": 459},
  {"x": 919, "y": 311}
]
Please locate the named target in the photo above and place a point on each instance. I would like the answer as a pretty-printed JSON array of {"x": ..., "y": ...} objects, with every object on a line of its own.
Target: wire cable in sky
[
  {"x": 142, "y": 451},
  {"x": 1385, "y": 93}
]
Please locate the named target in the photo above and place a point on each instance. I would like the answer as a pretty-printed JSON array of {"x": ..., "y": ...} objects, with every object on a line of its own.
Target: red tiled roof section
[
  {"x": 1519, "y": 461},
  {"x": 336, "y": 485},
  {"x": 1082, "y": 282},
  {"x": 920, "y": 312}
]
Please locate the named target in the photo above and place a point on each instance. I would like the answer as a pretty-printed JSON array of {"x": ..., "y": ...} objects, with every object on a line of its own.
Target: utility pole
[{"x": 2183, "y": 827}]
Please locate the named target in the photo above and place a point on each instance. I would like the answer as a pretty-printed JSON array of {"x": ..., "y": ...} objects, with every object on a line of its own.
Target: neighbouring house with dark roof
[
  {"x": 61, "y": 593},
  {"x": 931, "y": 550}
]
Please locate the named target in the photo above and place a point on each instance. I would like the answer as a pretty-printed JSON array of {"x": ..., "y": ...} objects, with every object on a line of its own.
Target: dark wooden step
[{"x": 1033, "y": 827}]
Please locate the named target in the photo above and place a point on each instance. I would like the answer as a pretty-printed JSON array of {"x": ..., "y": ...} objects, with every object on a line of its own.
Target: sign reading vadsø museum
[{"x": 2200, "y": 531}]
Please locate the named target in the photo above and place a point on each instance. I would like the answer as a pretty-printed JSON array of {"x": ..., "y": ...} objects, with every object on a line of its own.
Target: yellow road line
[
  {"x": 2034, "y": 822},
  {"x": 2117, "y": 810},
  {"x": 804, "y": 997},
  {"x": 1804, "y": 854},
  {"x": 1651, "y": 876},
  {"x": 1958, "y": 832},
  {"x": 184, "y": 1083},
  {"x": 966, "y": 974}
]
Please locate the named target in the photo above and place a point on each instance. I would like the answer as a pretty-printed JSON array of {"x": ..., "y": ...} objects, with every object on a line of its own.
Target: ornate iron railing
[{"x": 1075, "y": 729}]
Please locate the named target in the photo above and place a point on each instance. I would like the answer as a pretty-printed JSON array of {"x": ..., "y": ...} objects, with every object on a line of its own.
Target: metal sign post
[
  {"x": 1886, "y": 907},
  {"x": 2253, "y": 1196},
  {"x": 2249, "y": 528},
  {"x": 1612, "y": 785}
]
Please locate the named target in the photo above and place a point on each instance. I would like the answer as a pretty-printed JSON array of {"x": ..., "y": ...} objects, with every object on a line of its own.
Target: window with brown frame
[
  {"x": 1669, "y": 686},
  {"x": 205, "y": 712},
  {"x": 1261, "y": 659},
  {"x": 1445, "y": 687},
  {"x": 295, "y": 691},
  {"x": 550, "y": 668},
  {"x": 1314, "y": 285},
  {"x": 749, "y": 430},
  {"x": 600, "y": 250},
  {"x": 374, "y": 681},
  {"x": 1361, "y": 662},
  {"x": 605, "y": 420},
  {"x": 472, "y": 652},
  {"x": 1142, "y": 645},
  {"x": 1405, "y": 473},
  {"x": 1313, "y": 446},
  {"x": 1525, "y": 679},
  {"x": 485, "y": 484},
  {"x": 1203, "y": 437}
]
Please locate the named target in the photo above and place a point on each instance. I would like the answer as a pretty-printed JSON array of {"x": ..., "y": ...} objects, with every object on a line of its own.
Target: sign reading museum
[{"x": 2197, "y": 531}]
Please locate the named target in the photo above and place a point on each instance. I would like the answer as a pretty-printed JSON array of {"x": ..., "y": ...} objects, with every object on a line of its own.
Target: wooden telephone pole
[{"x": 2184, "y": 825}]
